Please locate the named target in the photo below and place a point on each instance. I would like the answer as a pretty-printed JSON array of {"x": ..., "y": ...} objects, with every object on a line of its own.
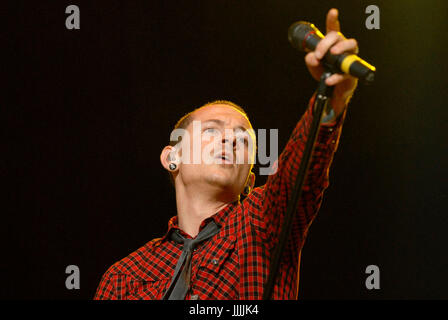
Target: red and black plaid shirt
[{"x": 234, "y": 264}]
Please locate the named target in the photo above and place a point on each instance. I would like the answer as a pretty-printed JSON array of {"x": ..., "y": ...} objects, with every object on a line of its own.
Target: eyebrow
[{"x": 221, "y": 123}]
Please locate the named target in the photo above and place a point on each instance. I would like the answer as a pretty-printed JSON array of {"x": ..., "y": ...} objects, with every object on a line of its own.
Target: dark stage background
[{"x": 85, "y": 114}]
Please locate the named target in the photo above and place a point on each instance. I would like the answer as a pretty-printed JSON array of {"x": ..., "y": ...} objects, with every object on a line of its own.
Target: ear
[
  {"x": 251, "y": 180},
  {"x": 167, "y": 156},
  {"x": 250, "y": 183}
]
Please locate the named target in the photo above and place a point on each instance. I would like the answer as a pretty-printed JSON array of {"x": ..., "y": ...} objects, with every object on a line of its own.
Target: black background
[{"x": 85, "y": 114}]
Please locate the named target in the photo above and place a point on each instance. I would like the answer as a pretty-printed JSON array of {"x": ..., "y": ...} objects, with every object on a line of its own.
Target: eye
[
  {"x": 242, "y": 139},
  {"x": 212, "y": 131}
]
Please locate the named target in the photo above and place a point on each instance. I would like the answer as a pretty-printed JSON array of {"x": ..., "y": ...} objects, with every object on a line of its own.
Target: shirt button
[
  {"x": 194, "y": 297},
  {"x": 333, "y": 141},
  {"x": 214, "y": 261},
  {"x": 331, "y": 129}
]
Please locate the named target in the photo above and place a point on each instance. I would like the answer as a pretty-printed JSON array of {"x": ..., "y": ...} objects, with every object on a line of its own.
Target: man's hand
[{"x": 344, "y": 84}]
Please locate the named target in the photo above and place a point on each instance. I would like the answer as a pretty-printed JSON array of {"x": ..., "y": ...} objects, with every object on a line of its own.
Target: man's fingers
[
  {"x": 333, "y": 21},
  {"x": 314, "y": 65},
  {"x": 349, "y": 45},
  {"x": 311, "y": 60},
  {"x": 326, "y": 43},
  {"x": 336, "y": 78}
]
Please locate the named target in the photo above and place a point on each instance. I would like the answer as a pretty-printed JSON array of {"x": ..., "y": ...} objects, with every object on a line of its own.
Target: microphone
[{"x": 305, "y": 37}]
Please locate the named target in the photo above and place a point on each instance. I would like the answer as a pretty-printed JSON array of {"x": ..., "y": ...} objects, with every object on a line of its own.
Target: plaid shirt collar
[{"x": 220, "y": 217}]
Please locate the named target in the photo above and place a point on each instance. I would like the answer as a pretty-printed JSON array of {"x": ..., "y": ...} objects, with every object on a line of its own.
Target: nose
[{"x": 229, "y": 140}]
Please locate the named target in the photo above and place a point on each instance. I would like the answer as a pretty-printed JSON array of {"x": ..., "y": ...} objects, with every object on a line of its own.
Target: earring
[
  {"x": 246, "y": 191},
  {"x": 172, "y": 166}
]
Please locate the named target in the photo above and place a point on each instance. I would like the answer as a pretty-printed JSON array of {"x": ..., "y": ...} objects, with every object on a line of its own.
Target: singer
[{"x": 217, "y": 246}]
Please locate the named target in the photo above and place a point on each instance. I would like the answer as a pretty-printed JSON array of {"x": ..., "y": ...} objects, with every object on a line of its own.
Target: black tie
[{"x": 181, "y": 281}]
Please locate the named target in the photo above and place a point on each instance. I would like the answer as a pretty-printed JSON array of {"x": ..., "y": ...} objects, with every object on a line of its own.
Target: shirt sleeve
[
  {"x": 113, "y": 285},
  {"x": 106, "y": 289},
  {"x": 277, "y": 191}
]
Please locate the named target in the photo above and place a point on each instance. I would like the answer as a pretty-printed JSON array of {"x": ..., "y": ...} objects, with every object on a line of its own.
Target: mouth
[{"x": 224, "y": 159}]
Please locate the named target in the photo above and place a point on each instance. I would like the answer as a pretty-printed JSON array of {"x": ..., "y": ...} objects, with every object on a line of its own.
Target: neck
[{"x": 194, "y": 206}]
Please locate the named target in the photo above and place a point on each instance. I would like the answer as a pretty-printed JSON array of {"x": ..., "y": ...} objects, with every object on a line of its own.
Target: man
[{"x": 218, "y": 247}]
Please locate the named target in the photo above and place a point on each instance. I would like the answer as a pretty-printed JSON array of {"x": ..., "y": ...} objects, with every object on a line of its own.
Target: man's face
[{"x": 221, "y": 146}]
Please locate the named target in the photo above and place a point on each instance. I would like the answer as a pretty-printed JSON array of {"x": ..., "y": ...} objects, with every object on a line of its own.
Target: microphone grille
[{"x": 297, "y": 33}]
